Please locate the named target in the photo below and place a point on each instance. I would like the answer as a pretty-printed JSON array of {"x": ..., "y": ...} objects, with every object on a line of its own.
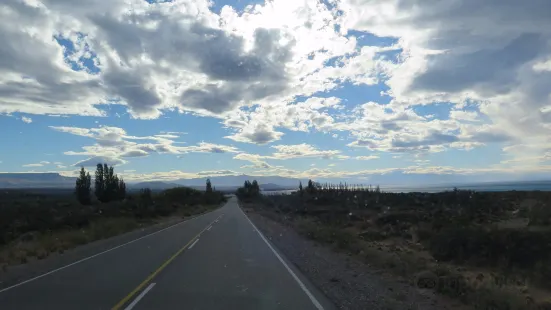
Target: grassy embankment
[
  {"x": 491, "y": 250},
  {"x": 32, "y": 226}
]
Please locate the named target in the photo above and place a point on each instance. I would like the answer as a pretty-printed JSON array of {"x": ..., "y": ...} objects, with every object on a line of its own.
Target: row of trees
[
  {"x": 249, "y": 190},
  {"x": 107, "y": 185},
  {"x": 343, "y": 187},
  {"x": 312, "y": 186}
]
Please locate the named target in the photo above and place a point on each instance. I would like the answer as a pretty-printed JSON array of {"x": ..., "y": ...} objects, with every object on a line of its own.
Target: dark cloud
[
  {"x": 217, "y": 150},
  {"x": 131, "y": 86},
  {"x": 493, "y": 69},
  {"x": 259, "y": 134},
  {"x": 234, "y": 74},
  {"x": 212, "y": 98},
  {"x": 390, "y": 125}
]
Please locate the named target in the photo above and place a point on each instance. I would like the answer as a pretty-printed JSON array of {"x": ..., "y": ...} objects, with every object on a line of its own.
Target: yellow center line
[{"x": 156, "y": 272}]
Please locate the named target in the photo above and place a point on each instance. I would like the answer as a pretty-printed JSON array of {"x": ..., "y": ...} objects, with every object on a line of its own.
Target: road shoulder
[{"x": 349, "y": 284}]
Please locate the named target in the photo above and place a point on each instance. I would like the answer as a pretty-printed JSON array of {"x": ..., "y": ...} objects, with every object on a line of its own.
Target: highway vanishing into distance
[{"x": 215, "y": 261}]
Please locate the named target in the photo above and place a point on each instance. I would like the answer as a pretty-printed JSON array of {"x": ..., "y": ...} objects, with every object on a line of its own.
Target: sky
[{"x": 332, "y": 89}]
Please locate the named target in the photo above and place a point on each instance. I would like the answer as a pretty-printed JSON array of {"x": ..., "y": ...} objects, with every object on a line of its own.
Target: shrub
[
  {"x": 540, "y": 214},
  {"x": 507, "y": 248}
]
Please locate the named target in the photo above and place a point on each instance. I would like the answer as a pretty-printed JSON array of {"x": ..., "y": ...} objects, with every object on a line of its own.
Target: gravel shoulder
[{"x": 347, "y": 282}]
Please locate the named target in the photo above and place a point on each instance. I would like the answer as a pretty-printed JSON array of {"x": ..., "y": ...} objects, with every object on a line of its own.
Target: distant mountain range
[
  {"x": 35, "y": 180},
  {"x": 238, "y": 180},
  {"x": 390, "y": 181},
  {"x": 55, "y": 180}
]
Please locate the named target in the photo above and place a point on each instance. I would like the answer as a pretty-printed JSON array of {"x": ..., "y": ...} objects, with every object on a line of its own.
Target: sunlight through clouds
[{"x": 268, "y": 87}]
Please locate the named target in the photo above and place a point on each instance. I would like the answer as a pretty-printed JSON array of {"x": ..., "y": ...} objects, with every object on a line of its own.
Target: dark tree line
[
  {"x": 310, "y": 188},
  {"x": 249, "y": 190},
  {"x": 107, "y": 185},
  {"x": 82, "y": 188}
]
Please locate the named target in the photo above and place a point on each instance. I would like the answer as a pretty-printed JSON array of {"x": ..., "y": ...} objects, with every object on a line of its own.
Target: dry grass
[
  {"x": 483, "y": 289},
  {"x": 39, "y": 245}
]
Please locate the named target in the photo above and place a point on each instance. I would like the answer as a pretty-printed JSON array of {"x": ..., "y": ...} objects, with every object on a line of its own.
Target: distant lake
[
  {"x": 479, "y": 187},
  {"x": 281, "y": 192}
]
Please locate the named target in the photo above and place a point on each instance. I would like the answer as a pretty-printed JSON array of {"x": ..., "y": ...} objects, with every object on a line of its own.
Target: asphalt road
[{"x": 216, "y": 261}]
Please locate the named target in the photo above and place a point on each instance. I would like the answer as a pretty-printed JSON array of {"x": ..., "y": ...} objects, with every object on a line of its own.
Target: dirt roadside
[{"x": 348, "y": 283}]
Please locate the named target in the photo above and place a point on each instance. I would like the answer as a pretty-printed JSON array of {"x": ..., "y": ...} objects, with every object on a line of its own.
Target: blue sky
[{"x": 346, "y": 89}]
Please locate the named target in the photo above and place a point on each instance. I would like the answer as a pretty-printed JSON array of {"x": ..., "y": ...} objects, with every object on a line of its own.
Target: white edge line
[
  {"x": 209, "y": 227},
  {"x": 302, "y": 286},
  {"x": 142, "y": 294},
  {"x": 194, "y": 242},
  {"x": 97, "y": 254}
]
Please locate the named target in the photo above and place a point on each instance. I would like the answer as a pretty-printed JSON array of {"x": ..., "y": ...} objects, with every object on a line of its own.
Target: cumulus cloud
[
  {"x": 114, "y": 144},
  {"x": 176, "y": 55},
  {"x": 264, "y": 70},
  {"x": 258, "y": 134},
  {"x": 204, "y": 147},
  {"x": 371, "y": 157},
  {"x": 285, "y": 152},
  {"x": 304, "y": 150},
  {"x": 135, "y": 153},
  {"x": 27, "y": 120},
  {"x": 94, "y": 161},
  {"x": 149, "y": 57},
  {"x": 494, "y": 52}
]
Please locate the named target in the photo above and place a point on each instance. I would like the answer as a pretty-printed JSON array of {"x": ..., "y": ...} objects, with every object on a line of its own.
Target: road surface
[{"x": 216, "y": 261}]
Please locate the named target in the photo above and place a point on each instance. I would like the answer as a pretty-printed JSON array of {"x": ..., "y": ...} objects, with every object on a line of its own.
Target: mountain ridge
[
  {"x": 55, "y": 180},
  {"x": 388, "y": 180}
]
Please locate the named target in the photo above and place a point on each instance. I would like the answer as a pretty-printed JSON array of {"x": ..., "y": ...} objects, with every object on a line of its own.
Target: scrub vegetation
[
  {"x": 34, "y": 225},
  {"x": 491, "y": 250}
]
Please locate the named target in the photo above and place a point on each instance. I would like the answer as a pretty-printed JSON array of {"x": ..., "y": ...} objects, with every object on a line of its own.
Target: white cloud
[
  {"x": 135, "y": 153},
  {"x": 195, "y": 60},
  {"x": 204, "y": 65},
  {"x": 464, "y": 115},
  {"x": 304, "y": 150},
  {"x": 33, "y": 165},
  {"x": 114, "y": 144},
  {"x": 94, "y": 161},
  {"x": 285, "y": 152},
  {"x": 493, "y": 52},
  {"x": 371, "y": 157},
  {"x": 257, "y": 70},
  {"x": 257, "y": 160},
  {"x": 39, "y": 164},
  {"x": 216, "y": 173},
  {"x": 27, "y": 120}
]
